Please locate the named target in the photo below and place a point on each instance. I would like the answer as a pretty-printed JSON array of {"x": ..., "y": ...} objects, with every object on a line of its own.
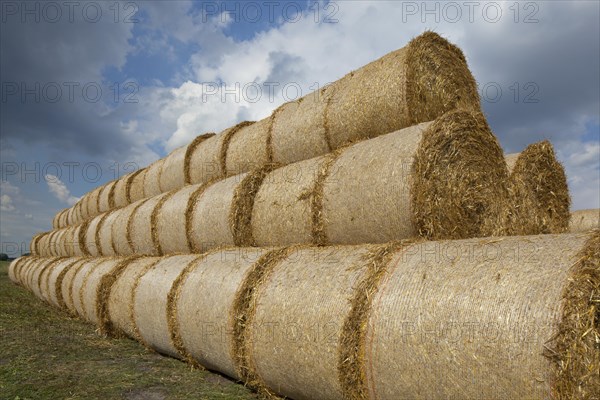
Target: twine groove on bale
[
  {"x": 243, "y": 311},
  {"x": 539, "y": 195},
  {"x": 172, "y": 299},
  {"x": 105, "y": 286},
  {"x": 351, "y": 359},
  {"x": 240, "y": 214},
  {"x": 188, "y": 155}
]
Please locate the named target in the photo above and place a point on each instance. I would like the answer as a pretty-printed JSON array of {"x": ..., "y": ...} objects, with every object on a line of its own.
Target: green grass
[{"x": 46, "y": 354}]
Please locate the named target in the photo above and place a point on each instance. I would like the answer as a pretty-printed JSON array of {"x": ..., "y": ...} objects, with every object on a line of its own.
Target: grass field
[{"x": 46, "y": 354}]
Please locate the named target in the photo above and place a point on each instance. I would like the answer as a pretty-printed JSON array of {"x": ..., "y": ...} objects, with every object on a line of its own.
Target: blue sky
[{"x": 124, "y": 86}]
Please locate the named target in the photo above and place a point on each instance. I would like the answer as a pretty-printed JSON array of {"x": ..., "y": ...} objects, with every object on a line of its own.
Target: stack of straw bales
[
  {"x": 415, "y": 84},
  {"x": 412, "y": 319},
  {"x": 360, "y": 243}
]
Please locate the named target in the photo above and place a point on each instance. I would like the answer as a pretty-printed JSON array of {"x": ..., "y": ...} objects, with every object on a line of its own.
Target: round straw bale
[
  {"x": 28, "y": 270},
  {"x": 78, "y": 283},
  {"x": 21, "y": 269},
  {"x": 56, "y": 243},
  {"x": 31, "y": 268},
  {"x": 48, "y": 244},
  {"x": 307, "y": 118},
  {"x": 93, "y": 202},
  {"x": 38, "y": 244},
  {"x": 14, "y": 268},
  {"x": 296, "y": 324},
  {"x": 89, "y": 243},
  {"x": 210, "y": 225},
  {"x": 247, "y": 148},
  {"x": 66, "y": 285},
  {"x": 539, "y": 195},
  {"x": 201, "y": 307},
  {"x": 141, "y": 226},
  {"x": 204, "y": 155},
  {"x": 284, "y": 197},
  {"x": 43, "y": 284},
  {"x": 89, "y": 289},
  {"x": 507, "y": 318},
  {"x": 120, "y": 227},
  {"x": 36, "y": 275},
  {"x": 78, "y": 251},
  {"x": 152, "y": 179},
  {"x": 67, "y": 217},
  {"x": 584, "y": 220},
  {"x": 136, "y": 187},
  {"x": 439, "y": 180},
  {"x": 171, "y": 221},
  {"x": 56, "y": 221},
  {"x": 150, "y": 302},
  {"x": 34, "y": 246},
  {"x": 25, "y": 270},
  {"x": 71, "y": 240},
  {"x": 105, "y": 238},
  {"x": 173, "y": 175},
  {"x": 55, "y": 278},
  {"x": 104, "y": 198},
  {"x": 65, "y": 247},
  {"x": 120, "y": 191},
  {"x": 120, "y": 297}
]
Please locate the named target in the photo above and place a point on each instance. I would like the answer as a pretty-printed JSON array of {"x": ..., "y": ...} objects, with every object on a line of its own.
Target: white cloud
[
  {"x": 6, "y": 203},
  {"x": 60, "y": 190}
]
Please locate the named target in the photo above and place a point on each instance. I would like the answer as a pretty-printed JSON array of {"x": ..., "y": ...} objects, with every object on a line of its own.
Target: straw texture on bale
[
  {"x": 202, "y": 326},
  {"x": 492, "y": 340},
  {"x": 539, "y": 196},
  {"x": 150, "y": 302},
  {"x": 584, "y": 220}
]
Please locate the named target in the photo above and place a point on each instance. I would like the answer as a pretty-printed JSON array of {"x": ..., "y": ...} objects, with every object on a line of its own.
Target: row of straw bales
[
  {"x": 434, "y": 180},
  {"x": 321, "y": 201},
  {"x": 360, "y": 322},
  {"x": 414, "y": 84}
]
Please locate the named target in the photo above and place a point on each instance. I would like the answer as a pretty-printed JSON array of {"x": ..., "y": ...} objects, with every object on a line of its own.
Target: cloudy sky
[{"x": 91, "y": 90}]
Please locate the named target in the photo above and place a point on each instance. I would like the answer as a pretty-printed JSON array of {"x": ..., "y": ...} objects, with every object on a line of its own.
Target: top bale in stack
[{"x": 415, "y": 84}]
